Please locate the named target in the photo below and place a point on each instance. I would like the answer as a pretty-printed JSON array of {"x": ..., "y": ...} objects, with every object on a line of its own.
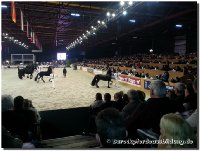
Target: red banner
[
  {"x": 130, "y": 80},
  {"x": 13, "y": 12}
]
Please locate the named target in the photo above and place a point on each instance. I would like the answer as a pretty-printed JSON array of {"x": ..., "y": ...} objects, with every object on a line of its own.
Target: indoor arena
[{"x": 99, "y": 75}]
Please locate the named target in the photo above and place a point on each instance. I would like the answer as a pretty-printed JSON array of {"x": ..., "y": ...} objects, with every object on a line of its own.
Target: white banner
[
  {"x": 98, "y": 71},
  {"x": 84, "y": 68},
  {"x": 79, "y": 67}
]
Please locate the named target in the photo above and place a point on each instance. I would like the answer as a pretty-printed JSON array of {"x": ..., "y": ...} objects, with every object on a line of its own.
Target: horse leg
[
  {"x": 31, "y": 76},
  {"x": 27, "y": 76},
  {"x": 42, "y": 79},
  {"x": 97, "y": 80},
  {"x": 93, "y": 81},
  {"x": 108, "y": 84}
]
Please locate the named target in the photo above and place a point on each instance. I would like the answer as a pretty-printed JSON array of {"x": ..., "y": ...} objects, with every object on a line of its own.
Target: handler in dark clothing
[
  {"x": 64, "y": 72},
  {"x": 148, "y": 114}
]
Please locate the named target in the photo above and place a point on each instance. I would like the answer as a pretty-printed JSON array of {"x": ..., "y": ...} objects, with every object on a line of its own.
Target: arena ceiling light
[
  {"x": 179, "y": 25},
  {"x": 113, "y": 14},
  {"x": 132, "y": 20},
  {"x": 108, "y": 14},
  {"x": 98, "y": 21},
  {"x": 75, "y": 14},
  {"x": 3, "y": 6},
  {"x": 124, "y": 12},
  {"x": 130, "y": 3},
  {"x": 122, "y": 3},
  {"x": 103, "y": 23}
]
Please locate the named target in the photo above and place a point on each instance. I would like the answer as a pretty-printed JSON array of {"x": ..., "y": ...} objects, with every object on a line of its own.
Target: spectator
[
  {"x": 108, "y": 103},
  {"x": 190, "y": 97},
  {"x": 141, "y": 96},
  {"x": 148, "y": 114},
  {"x": 134, "y": 101},
  {"x": 118, "y": 103},
  {"x": 179, "y": 96},
  {"x": 110, "y": 126},
  {"x": 7, "y": 103},
  {"x": 172, "y": 126},
  {"x": 125, "y": 98},
  {"x": 193, "y": 120},
  {"x": 98, "y": 101}
]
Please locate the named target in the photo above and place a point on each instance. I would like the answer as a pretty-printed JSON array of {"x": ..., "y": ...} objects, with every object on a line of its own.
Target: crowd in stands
[
  {"x": 168, "y": 114},
  {"x": 20, "y": 123},
  {"x": 172, "y": 115}
]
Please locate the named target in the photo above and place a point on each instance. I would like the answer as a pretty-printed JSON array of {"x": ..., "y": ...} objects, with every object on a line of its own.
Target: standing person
[{"x": 64, "y": 72}]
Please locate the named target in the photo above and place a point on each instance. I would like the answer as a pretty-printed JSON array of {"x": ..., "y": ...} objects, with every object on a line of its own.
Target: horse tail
[{"x": 36, "y": 77}]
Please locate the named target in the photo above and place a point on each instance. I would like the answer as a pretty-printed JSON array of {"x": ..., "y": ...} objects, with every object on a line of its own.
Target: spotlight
[
  {"x": 132, "y": 20},
  {"x": 179, "y": 25},
  {"x": 98, "y": 21},
  {"x": 103, "y": 22},
  {"x": 92, "y": 27},
  {"x": 3, "y": 6},
  {"x": 108, "y": 14},
  {"x": 124, "y": 12},
  {"x": 122, "y": 3},
  {"x": 130, "y": 3},
  {"x": 94, "y": 33},
  {"x": 151, "y": 50},
  {"x": 113, "y": 14},
  {"x": 73, "y": 14}
]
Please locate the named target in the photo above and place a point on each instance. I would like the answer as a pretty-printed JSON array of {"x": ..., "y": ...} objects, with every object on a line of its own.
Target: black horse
[
  {"x": 44, "y": 73},
  {"x": 29, "y": 69},
  {"x": 99, "y": 77}
]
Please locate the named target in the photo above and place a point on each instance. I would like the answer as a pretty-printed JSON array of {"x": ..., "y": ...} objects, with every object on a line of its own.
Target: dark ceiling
[{"x": 54, "y": 25}]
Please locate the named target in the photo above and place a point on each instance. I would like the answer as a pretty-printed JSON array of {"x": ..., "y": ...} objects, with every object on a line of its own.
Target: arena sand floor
[{"x": 70, "y": 92}]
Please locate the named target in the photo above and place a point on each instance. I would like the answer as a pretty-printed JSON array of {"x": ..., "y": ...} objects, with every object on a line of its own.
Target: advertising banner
[
  {"x": 147, "y": 84},
  {"x": 130, "y": 80},
  {"x": 90, "y": 70},
  {"x": 98, "y": 71}
]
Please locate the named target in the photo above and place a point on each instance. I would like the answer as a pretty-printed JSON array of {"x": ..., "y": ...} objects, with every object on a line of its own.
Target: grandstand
[{"x": 93, "y": 75}]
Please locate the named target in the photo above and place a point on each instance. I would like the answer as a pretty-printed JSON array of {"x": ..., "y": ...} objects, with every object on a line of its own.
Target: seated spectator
[
  {"x": 190, "y": 101},
  {"x": 108, "y": 103},
  {"x": 7, "y": 103},
  {"x": 172, "y": 126},
  {"x": 148, "y": 114},
  {"x": 98, "y": 101},
  {"x": 118, "y": 103},
  {"x": 165, "y": 76},
  {"x": 8, "y": 141},
  {"x": 29, "y": 106},
  {"x": 193, "y": 120},
  {"x": 142, "y": 96},
  {"x": 110, "y": 126},
  {"x": 125, "y": 98},
  {"x": 179, "y": 96},
  {"x": 134, "y": 101}
]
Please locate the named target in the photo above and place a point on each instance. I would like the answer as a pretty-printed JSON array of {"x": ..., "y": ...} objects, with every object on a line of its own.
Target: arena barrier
[
  {"x": 84, "y": 68},
  {"x": 79, "y": 67},
  {"x": 130, "y": 80}
]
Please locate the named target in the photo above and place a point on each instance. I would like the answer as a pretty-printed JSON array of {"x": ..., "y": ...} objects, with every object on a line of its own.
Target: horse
[
  {"x": 102, "y": 77},
  {"x": 44, "y": 73},
  {"x": 29, "y": 69}
]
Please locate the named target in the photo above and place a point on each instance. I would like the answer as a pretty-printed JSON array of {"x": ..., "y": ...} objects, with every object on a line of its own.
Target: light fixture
[
  {"x": 92, "y": 27},
  {"x": 103, "y": 22},
  {"x": 113, "y": 14},
  {"x": 124, "y": 12},
  {"x": 122, "y": 3},
  {"x": 179, "y": 25},
  {"x": 3, "y": 6},
  {"x": 132, "y": 20},
  {"x": 130, "y": 3},
  {"x": 98, "y": 21},
  {"x": 74, "y": 14},
  {"x": 108, "y": 14},
  {"x": 94, "y": 33},
  {"x": 151, "y": 50}
]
